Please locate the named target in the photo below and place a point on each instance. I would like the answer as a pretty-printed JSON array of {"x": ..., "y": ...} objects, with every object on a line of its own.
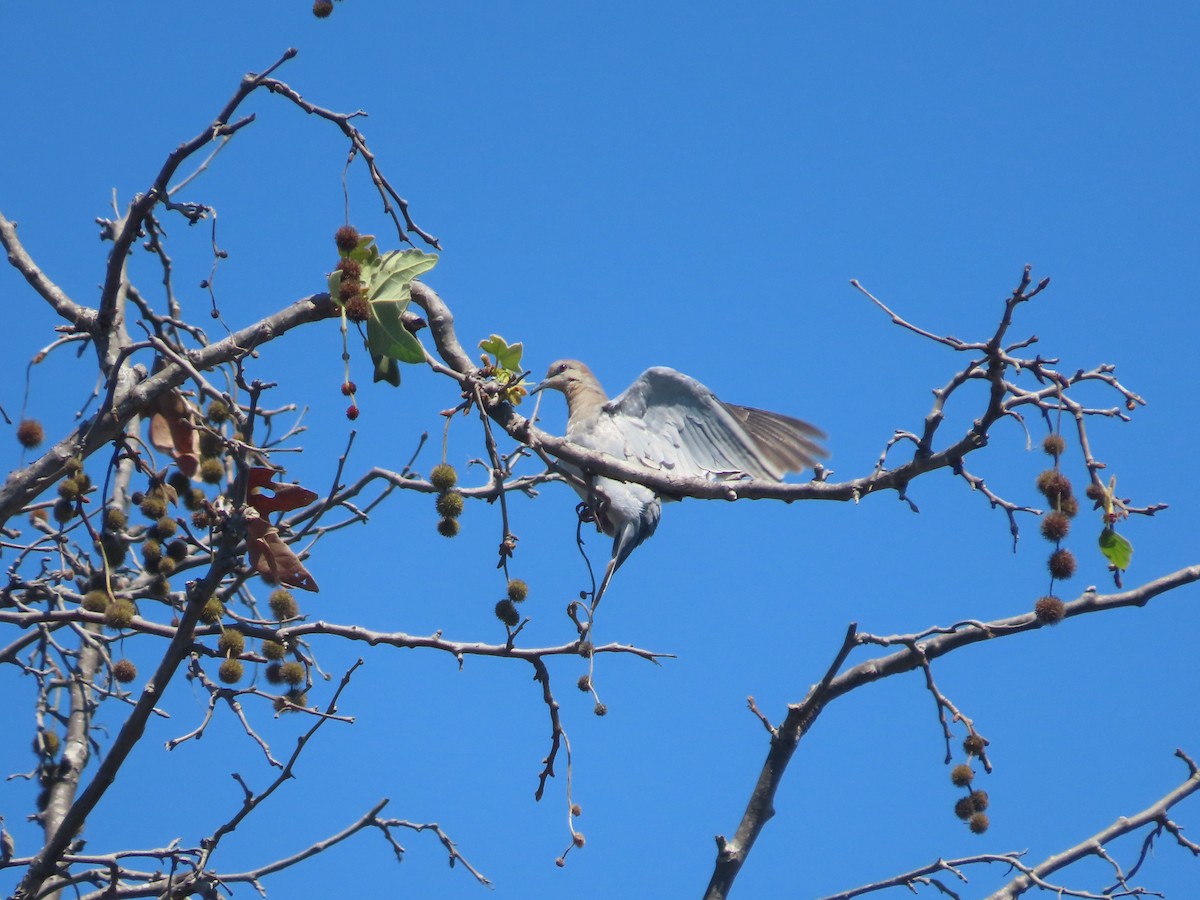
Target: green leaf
[
  {"x": 1116, "y": 548},
  {"x": 365, "y": 250},
  {"x": 395, "y": 272},
  {"x": 386, "y": 369},
  {"x": 507, "y": 357},
  {"x": 386, "y": 334},
  {"x": 335, "y": 284}
]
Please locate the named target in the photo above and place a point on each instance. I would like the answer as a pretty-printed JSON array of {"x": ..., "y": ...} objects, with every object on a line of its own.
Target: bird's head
[{"x": 566, "y": 375}]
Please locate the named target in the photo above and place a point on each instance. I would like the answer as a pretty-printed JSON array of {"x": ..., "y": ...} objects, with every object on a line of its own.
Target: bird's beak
[{"x": 537, "y": 387}]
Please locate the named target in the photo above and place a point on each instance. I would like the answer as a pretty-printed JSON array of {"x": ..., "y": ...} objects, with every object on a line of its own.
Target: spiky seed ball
[
  {"x": 231, "y": 642},
  {"x": 283, "y": 604},
  {"x": 114, "y": 519},
  {"x": 518, "y": 590},
  {"x": 165, "y": 527},
  {"x": 181, "y": 483},
  {"x": 151, "y": 551},
  {"x": 576, "y": 809},
  {"x": 450, "y": 504},
  {"x": 217, "y": 412},
  {"x": 30, "y": 433},
  {"x": 1095, "y": 491},
  {"x": 124, "y": 671},
  {"x": 136, "y": 498},
  {"x": 348, "y": 388},
  {"x": 230, "y": 671},
  {"x": 507, "y": 613},
  {"x": 213, "y": 612},
  {"x": 212, "y": 470},
  {"x": 114, "y": 547},
  {"x": 73, "y": 465},
  {"x": 443, "y": 477},
  {"x": 352, "y": 412},
  {"x": 600, "y": 709},
  {"x": 274, "y": 673},
  {"x": 64, "y": 510},
  {"x": 979, "y": 800},
  {"x": 1054, "y": 485},
  {"x": 357, "y": 308},
  {"x": 973, "y": 744},
  {"x": 177, "y": 550},
  {"x": 68, "y": 489},
  {"x": 153, "y": 507},
  {"x": 273, "y": 649},
  {"x": 962, "y": 775},
  {"x": 350, "y": 268},
  {"x": 1054, "y": 445},
  {"x": 95, "y": 601},
  {"x": 211, "y": 444},
  {"x": 578, "y": 839},
  {"x": 964, "y": 808},
  {"x": 979, "y": 823},
  {"x": 585, "y": 649},
  {"x": 1069, "y": 506},
  {"x": 201, "y": 518},
  {"x": 584, "y": 683},
  {"x": 348, "y": 288},
  {"x": 448, "y": 527},
  {"x": 1050, "y": 610},
  {"x": 159, "y": 586},
  {"x": 1055, "y": 526},
  {"x": 346, "y": 238},
  {"x": 1062, "y": 564},
  {"x": 292, "y": 672},
  {"x": 119, "y": 613},
  {"x": 193, "y": 499}
]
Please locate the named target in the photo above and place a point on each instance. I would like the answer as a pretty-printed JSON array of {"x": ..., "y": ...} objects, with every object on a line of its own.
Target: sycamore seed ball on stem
[
  {"x": 1054, "y": 445},
  {"x": 1050, "y": 610},
  {"x": 507, "y": 613},
  {"x": 30, "y": 433},
  {"x": 1062, "y": 564},
  {"x": 443, "y": 477},
  {"x": 231, "y": 642},
  {"x": 230, "y": 671},
  {"x": 450, "y": 504},
  {"x": 213, "y": 611}
]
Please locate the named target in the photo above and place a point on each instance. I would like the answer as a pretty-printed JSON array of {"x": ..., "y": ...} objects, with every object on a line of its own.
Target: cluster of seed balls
[
  {"x": 1056, "y": 525},
  {"x": 971, "y": 808},
  {"x": 449, "y": 501}
]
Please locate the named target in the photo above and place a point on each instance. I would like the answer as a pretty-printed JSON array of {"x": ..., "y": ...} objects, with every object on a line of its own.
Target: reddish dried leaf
[
  {"x": 171, "y": 430},
  {"x": 286, "y": 496},
  {"x": 273, "y": 559}
]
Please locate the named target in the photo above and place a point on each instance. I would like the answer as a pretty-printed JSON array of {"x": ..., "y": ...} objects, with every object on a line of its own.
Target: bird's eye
[{"x": 562, "y": 368}]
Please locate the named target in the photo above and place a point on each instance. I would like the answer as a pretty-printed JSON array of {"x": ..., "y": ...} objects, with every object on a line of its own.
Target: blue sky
[{"x": 687, "y": 185}]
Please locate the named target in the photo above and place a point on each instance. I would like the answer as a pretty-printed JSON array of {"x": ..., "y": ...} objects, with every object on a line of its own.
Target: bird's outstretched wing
[{"x": 672, "y": 422}]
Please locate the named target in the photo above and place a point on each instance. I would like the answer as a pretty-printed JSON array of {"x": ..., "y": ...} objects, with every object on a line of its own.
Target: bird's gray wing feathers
[{"x": 671, "y": 421}]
